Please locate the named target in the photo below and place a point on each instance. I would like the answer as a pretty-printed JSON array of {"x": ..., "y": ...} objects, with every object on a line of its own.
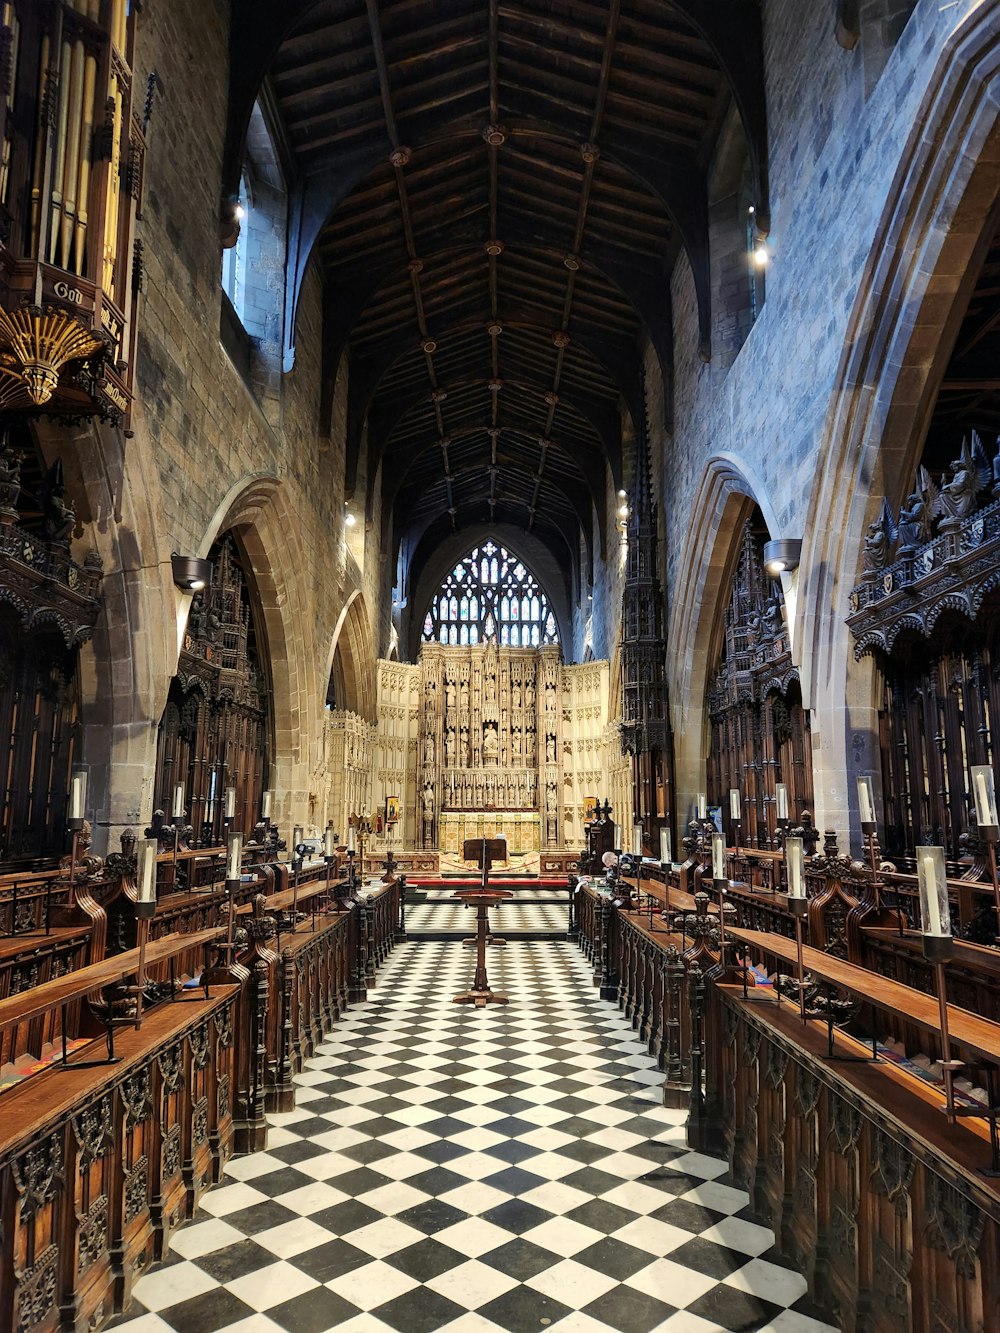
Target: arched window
[{"x": 501, "y": 601}]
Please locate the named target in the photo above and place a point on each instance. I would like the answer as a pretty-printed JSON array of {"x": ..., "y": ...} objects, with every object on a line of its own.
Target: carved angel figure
[
  {"x": 970, "y": 474},
  {"x": 879, "y": 539},
  {"x": 917, "y": 512}
]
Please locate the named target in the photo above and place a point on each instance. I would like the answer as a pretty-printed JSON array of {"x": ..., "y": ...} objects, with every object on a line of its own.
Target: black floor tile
[
  {"x": 426, "y": 1259},
  {"x": 517, "y": 1216},
  {"x": 313, "y": 1312},
  {"x": 418, "y": 1311},
  {"x": 522, "y": 1310},
  {"x": 206, "y": 1313},
  {"x": 628, "y": 1310},
  {"x": 736, "y": 1311}
]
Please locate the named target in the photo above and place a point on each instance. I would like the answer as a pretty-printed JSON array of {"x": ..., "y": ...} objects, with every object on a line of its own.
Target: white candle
[
  {"x": 637, "y": 840},
  {"x": 618, "y": 837},
  {"x": 666, "y": 852},
  {"x": 230, "y": 808},
  {"x": 935, "y": 917},
  {"x": 719, "y": 856},
  {"x": 781, "y": 800},
  {"x": 328, "y": 847},
  {"x": 296, "y": 839},
  {"x": 178, "y": 810},
  {"x": 983, "y": 789},
  {"x": 735, "y": 805},
  {"x": 866, "y": 800},
  {"x": 352, "y": 838},
  {"x": 702, "y": 805},
  {"x": 234, "y": 867},
  {"x": 78, "y": 795},
  {"x": 793, "y": 868},
  {"x": 265, "y": 805},
  {"x": 147, "y": 870}
]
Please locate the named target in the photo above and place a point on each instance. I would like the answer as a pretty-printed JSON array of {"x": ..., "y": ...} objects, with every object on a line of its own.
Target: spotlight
[
  {"x": 760, "y": 255},
  {"x": 622, "y": 495},
  {"x": 349, "y": 519},
  {"x": 623, "y": 511},
  {"x": 782, "y": 556},
  {"x": 190, "y": 573},
  {"x": 240, "y": 212}
]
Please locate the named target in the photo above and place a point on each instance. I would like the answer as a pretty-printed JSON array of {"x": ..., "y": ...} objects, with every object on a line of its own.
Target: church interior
[{"x": 499, "y": 585}]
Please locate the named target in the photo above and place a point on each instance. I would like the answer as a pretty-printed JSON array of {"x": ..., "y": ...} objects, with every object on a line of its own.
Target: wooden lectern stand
[{"x": 484, "y": 851}]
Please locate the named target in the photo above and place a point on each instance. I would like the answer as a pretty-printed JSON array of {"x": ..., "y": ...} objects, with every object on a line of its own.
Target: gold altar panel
[{"x": 522, "y": 830}]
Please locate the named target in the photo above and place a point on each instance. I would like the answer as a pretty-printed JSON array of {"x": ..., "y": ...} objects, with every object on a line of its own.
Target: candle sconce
[{"x": 984, "y": 795}]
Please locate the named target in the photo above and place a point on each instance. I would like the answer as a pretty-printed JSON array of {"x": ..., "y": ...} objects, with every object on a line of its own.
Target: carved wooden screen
[
  {"x": 759, "y": 729},
  {"x": 928, "y": 611},
  {"x": 48, "y": 606},
  {"x": 216, "y": 729},
  {"x": 938, "y": 699},
  {"x": 38, "y": 713}
]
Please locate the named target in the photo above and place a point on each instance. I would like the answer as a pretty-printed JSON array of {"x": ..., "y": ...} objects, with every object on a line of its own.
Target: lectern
[{"x": 484, "y": 851}]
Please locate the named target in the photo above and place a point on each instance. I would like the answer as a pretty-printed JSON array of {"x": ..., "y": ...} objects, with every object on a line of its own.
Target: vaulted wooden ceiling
[{"x": 498, "y": 191}]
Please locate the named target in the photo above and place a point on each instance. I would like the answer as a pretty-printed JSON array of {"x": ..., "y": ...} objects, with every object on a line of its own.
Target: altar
[{"x": 521, "y": 828}]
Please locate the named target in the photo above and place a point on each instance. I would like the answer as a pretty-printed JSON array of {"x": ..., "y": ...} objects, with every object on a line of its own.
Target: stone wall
[
  {"x": 771, "y": 423},
  {"x": 214, "y": 447}
]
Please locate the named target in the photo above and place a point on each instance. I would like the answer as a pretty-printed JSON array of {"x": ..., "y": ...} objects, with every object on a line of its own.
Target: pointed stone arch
[
  {"x": 912, "y": 297},
  {"x": 351, "y": 660}
]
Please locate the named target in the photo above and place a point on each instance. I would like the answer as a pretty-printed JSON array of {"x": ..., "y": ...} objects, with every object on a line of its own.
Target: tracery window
[{"x": 490, "y": 596}]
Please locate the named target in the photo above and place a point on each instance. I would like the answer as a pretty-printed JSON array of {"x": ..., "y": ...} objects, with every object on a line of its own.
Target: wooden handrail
[
  {"x": 966, "y": 1029},
  {"x": 75, "y": 985}
]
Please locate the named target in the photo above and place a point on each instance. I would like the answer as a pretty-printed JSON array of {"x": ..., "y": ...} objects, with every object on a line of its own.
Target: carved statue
[
  {"x": 59, "y": 516},
  {"x": 449, "y": 695},
  {"x": 515, "y": 696},
  {"x": 876, "y": 544},
  {"x": 529, "y": 693},
  {"x": 491, "y": 745},
  {"x": 490, "y": 690},
  {"x": 449, "y": 747},
  {"x": 970, "y": 474},
  {"x": 464, "y": 693},
  {"x": 550, "y": 749},
  {"x": 551, "y": 817},
  {"x": 10, "y": 485},
  {"x": 915, "y": 516},
  {"x": 771, "y": 619},
  {"x": 429, "y": 750}
]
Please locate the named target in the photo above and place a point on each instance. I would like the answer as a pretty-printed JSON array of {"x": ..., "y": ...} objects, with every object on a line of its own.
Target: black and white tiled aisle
[{"x": 452, "y": 1168}]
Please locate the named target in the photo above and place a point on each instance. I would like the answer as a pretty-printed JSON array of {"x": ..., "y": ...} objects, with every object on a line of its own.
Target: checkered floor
[
  {"x": 532, "y": 912},
  {"x": 461, "y": 1169}
]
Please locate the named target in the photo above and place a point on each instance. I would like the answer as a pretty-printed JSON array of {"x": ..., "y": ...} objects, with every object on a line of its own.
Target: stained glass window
[{"x": 501, "y": 601}]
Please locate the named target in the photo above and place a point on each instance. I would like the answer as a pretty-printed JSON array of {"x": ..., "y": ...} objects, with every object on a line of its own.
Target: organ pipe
[{"x": 70, "y": 179}]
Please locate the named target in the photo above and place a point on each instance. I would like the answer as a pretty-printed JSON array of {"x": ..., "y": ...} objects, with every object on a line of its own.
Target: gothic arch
[
  {"x": 728, "y": 492},
  {"x": 912, "y": 296},
  {"x": 258, "y": 511},
  {"x": 352, "y": 657}
]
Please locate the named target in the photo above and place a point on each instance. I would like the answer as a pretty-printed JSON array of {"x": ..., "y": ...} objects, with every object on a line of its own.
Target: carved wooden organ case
[
  {"x": 71, "y": 159},
  {"x": 760, "y": 731},
  {"x": 48, "y": 607},
  {"x": 927, "y": 611},
  {"x": 490, "y": 730},
  {"x": 216, "y": 728}
]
